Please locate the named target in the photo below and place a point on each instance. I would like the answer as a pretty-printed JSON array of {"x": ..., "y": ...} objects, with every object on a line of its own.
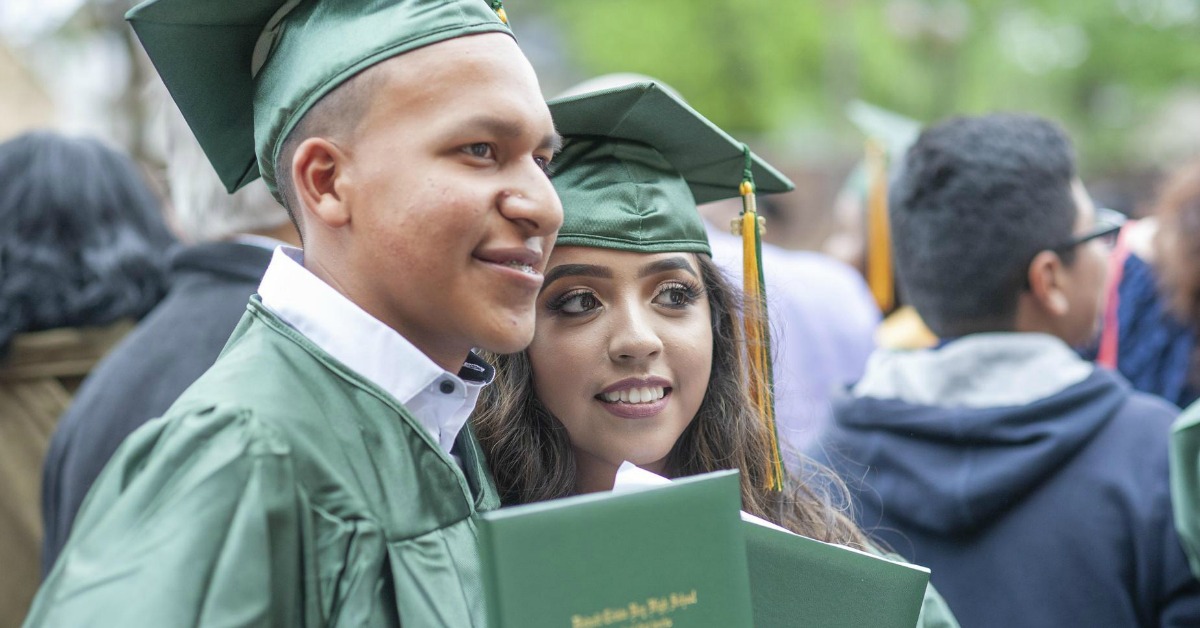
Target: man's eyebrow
[
  {"x": 552, "y": 142},
  {"x": 665, "y": 265},
  {"x": 575, "y": 270},
  {"x": 502, "y": 127},
  {"x": 510, "y": 129}
]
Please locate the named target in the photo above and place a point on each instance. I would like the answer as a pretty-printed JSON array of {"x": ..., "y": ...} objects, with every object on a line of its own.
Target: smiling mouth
[{"x": 645, "y": 394}]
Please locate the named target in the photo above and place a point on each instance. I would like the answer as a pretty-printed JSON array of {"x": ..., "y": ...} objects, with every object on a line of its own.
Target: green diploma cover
[
  {"x": 680, "y": 554},
  {"x": 797, "y": 581},
  {"x": 665, "y": 557}
]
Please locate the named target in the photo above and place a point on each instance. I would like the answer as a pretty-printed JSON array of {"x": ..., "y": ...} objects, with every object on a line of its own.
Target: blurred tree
[
  {"x": 1102, "y": 68},
  {"x": 1120, "y": 74}
]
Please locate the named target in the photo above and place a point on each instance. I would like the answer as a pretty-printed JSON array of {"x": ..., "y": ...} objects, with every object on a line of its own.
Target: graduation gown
[
  {"x": 143, "y": 375},
  {"x": 282, "y": 489}
]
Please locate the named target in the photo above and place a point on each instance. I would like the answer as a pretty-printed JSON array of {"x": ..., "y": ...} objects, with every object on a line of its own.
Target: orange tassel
[
  {"x": 880, "y": 277},
  {"x": 757, "y": 328}
]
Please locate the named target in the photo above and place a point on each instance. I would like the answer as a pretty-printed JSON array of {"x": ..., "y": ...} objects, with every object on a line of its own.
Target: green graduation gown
[
  {"x": 282, "y": 489},
  {"x": 1185, "y": 482}
]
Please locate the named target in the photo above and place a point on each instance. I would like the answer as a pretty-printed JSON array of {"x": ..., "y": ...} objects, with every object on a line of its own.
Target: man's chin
[{"x": 510, "y": 341}]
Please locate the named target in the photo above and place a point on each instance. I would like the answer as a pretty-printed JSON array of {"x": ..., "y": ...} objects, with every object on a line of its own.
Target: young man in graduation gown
[
  {"x": 1032, "y": 484},
  {"x": 320, "y": 472}
]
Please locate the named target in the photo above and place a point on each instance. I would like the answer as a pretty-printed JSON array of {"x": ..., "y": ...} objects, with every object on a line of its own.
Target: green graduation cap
[
  {"x": 896, "y": 132},
  {"x": 244, "y": 72},
  {"x": 635, "y": 162}
]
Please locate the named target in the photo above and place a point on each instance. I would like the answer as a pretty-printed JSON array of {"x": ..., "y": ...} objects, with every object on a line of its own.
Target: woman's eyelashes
[
  {"x": 574, "y": 303},
  {"x": 675, "y": 295}
]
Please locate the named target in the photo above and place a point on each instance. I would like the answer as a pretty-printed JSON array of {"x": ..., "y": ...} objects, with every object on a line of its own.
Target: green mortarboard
[
  {"x": 635, "y": 162},
  {"x": 244, "y": 72},
  {"x": 893, "y": 132}
]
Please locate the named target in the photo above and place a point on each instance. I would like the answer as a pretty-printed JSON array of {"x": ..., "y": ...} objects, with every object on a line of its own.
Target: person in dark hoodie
[{"x": 1032, "y": 483}]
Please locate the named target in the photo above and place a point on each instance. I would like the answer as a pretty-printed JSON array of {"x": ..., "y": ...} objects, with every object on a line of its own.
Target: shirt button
[{"x": 446, "y": 387}]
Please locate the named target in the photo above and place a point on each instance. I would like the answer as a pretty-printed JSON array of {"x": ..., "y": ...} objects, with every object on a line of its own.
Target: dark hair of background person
[
  {"x": 1177, "y": 248},
  {"x": 83, "y": 243},
  {"x": 531, "y": 457},
  {"x": 976, "y": 200}
]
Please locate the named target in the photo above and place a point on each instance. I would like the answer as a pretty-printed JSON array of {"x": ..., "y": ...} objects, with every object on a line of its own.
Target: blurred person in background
[
  {"x": 1150, "y": 329},
  {"x": 1153, "y": 307},
  {"x": 230, "y": 240},
  {"x": 82, "y": 255},
  {"x": 862, "y": 234},
  {"x": 1033, "y": 484}
]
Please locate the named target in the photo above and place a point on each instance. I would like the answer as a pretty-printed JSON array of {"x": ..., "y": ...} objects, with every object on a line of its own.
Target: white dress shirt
[{"x": 440, "y": 400}]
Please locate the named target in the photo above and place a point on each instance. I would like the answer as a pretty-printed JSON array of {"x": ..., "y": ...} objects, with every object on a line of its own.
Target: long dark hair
[
  {"x": 1177, "y": 244},
  {"x": 83, "y": 242},
  {"x": 531, "y": 457}
]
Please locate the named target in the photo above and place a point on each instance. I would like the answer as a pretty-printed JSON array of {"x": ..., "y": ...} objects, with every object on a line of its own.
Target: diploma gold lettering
[
  {"x": 637, "y": 615},
  {"x": 664, "y": 622},
  {"x": 683, "y": 600},
  {"x": 659, "y": 605}
]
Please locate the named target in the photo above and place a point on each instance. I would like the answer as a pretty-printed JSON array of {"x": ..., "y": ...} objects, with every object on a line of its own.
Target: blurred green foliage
[{"x": 788, "y": 67}]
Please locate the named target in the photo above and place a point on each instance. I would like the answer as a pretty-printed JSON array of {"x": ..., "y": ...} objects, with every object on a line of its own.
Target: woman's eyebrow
[
  {"x": 665, "y": 265},
  {"x": 575, "y": 270}
]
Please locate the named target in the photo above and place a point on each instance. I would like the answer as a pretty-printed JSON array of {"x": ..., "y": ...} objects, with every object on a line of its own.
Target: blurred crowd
[{"x": 984, "y": 373}]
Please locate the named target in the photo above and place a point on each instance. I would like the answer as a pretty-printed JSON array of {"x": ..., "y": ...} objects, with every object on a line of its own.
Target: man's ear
[
  {"x": 317, "y": 166},
  {"x": 1046, "y": 277}
]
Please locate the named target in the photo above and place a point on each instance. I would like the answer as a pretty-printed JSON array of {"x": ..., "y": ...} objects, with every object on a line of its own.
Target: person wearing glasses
[{"x": 1032, "y": 483}]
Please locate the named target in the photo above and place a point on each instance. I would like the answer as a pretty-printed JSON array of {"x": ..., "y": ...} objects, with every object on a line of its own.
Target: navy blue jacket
[
  {"x": 138, "y": 380},
  {"x": 1055, "y": 513},
  {"x": 1155, "y": 351}
]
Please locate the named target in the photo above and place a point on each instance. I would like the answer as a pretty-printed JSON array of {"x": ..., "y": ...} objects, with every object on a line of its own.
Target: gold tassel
[
  {"x": 498, "y": 7},
  {"x": 880, "y": 276},
  {"x": 757, "y": 328}
]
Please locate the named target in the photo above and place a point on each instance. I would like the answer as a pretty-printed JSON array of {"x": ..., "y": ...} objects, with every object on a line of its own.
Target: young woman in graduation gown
[{"x": 638, "y": 353}]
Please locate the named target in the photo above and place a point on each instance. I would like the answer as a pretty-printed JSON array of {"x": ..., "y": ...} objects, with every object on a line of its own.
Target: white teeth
[
  {"x": 523, "y": 267},
  {"x": 635, "y": 395}
]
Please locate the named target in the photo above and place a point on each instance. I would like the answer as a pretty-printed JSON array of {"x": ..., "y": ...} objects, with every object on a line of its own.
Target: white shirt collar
[
  {"x": 261, "y": 241},
  {"x": 441, "y": 401}
]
